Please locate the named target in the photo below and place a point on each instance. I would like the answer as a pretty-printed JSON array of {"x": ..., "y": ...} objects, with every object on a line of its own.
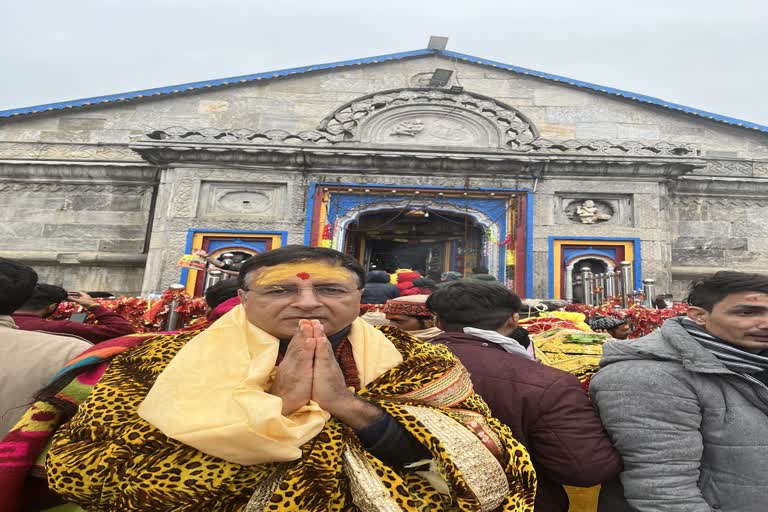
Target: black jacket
[
  {"x": 378, "y": 290},
  {"x": 485, "y": 278}
]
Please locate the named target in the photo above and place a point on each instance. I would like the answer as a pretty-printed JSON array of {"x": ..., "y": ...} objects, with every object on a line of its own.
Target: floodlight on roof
[
  {"x": 440, "y": 78},
  {"x": 437, "y": 43}
]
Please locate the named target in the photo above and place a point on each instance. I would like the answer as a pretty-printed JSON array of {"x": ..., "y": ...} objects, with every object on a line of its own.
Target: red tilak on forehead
[{"x": 303, "y": 276}]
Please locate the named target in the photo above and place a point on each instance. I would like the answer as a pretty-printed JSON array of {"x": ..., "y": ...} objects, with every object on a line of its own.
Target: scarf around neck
[
  {"x": 426, "y": 334},
  {"x": 214, "y": 394},
  {"x": 508, "y": 344},
  {"x": 735, "y": 359}
]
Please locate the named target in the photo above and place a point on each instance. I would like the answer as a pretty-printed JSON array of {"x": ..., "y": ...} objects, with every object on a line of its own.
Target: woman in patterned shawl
[{"x": 289, "y": 402}]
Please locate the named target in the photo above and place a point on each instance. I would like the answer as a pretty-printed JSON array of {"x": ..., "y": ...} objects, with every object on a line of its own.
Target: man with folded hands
[{"x": 289, "y": 402}]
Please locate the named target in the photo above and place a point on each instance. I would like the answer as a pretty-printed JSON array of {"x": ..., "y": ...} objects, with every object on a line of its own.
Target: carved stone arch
[
  {"x": 466, "y": 116},
  {"x": 610, "y": 265}
]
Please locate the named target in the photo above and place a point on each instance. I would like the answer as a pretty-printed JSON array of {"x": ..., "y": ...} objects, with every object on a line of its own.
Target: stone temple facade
[{"x": 428, "y": 159}]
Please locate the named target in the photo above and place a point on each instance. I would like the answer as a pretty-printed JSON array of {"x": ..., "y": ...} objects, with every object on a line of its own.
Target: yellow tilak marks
[{"x": 304, "y": 270}]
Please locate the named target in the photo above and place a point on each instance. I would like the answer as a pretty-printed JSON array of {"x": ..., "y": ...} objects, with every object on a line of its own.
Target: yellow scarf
[{"x": 214, "y": 396}]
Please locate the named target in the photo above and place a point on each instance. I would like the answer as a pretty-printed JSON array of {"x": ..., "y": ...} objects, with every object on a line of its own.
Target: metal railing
[{"x": 597, "y": 289}]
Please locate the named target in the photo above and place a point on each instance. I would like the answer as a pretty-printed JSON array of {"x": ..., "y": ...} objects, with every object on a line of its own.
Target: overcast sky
[{"x": 701, "y": 53}]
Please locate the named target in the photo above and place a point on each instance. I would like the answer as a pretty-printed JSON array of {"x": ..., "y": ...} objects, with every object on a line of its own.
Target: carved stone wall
[
  {"x": 455, "y": 119},
  {"x": 711, "y": 233},
  {"x": 37, "y": 151},
  {"x": 245, "y": 201},
  {"x": 80, "y": 227},
  {"x": 220, "y": 198},
  {"x": 729, "y": 168},
  {"x": 521, "y": 115}
]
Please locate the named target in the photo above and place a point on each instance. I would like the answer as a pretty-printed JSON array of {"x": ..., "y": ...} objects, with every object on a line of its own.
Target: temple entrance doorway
[
  {"x": 596, "y": 266},
  {"x": 425, "y": 240},
  {"x": 440, "y": 228}
]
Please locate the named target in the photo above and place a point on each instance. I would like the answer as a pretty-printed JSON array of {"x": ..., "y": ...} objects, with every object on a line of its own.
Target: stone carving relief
[
  {"x": 424, "y": 116},
  {"x": 348, "y": 120},
  {"x": 595, "y": 209},
  {"x": 240, "y": 136},
  {"x": 589, "y": 211},
  {"x": 243, "y": 200},
  {"x": 58, "y": 151},
  {"x": 12, "y": 186},
  {"x": 316, "y": 138},
  {"x": 430, "y": 125},
  {"x": 725, "y": 168},
  {"x": 408, "y": 128},
  {"x": 725, "y": 202},
  {"x": 183, "y": 198},
  {"x": 443, "y": 130},
  {"x": 604, "y": 147}
]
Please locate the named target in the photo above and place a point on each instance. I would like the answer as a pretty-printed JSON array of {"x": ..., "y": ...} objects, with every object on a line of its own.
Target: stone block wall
[
  {"x": 120, "y": 278},
  {"x": 713, "y": 233},
  {"x": 80, "y": 227}
]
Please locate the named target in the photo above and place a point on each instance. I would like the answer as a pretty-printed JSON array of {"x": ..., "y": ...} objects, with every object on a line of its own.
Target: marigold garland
[
  {"x": 145, "y": 315},
  {"x": 642, "y": 319}
]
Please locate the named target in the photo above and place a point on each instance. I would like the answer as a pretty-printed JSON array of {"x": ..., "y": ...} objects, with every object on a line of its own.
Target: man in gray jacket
[{"x": 687, "y": 406}]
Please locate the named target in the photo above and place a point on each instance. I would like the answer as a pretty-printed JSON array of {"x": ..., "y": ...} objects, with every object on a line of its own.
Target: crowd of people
[{"x": 285, "y": 398}]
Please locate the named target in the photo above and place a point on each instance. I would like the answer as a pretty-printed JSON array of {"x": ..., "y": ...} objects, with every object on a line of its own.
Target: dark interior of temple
[{"x": 420, "y": 239}]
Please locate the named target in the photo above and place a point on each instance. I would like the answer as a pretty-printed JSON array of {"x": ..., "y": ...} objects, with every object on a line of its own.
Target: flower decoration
[
  {"x": 144, "y": 315},
  {"x": 642, "y": 319}
]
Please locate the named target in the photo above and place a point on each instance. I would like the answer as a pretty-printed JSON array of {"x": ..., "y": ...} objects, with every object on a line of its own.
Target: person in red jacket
[
  {"x": 546, "y": 408},
  {"x": 34, "y": 315},
  {"x": 421, "y": 286},
  {"x": 405, "y": 280}
]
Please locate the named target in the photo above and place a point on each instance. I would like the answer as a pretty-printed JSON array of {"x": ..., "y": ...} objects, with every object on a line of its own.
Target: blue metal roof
[{"x": 208, "y": 84}]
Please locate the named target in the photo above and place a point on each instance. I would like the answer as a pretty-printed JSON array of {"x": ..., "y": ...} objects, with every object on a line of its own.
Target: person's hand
[
  {"x": 293, "y": 382},
  {"x": 82, "y": 298},
  {"x": 329, "y": 388},
  {"x": 200, "y": 252}
]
